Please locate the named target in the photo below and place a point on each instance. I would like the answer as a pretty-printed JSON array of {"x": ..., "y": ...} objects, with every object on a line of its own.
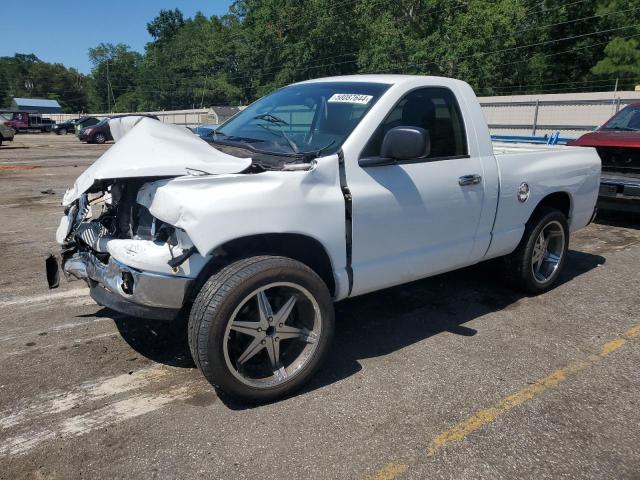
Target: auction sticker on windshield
[{"x": 350, "y": 98}]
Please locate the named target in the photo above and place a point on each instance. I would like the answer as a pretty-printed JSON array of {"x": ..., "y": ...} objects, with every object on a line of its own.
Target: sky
[{"x": 63, "y": 32}]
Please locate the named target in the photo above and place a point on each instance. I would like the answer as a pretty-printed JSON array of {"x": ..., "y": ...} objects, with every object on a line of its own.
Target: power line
[
  {"x": 510, "y": 49},
  {"x": 346, "y": 62}
]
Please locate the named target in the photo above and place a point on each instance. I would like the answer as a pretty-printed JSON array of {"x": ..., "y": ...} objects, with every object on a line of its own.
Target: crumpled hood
[{"x": 155, "y": 149}]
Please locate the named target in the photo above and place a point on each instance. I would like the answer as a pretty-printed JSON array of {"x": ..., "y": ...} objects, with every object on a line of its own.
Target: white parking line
[
  {"x": 49, "y": 297},
  {"x": 58, "y": 401},
  {"x": 57, "y": 328},
  {"x": 110, "y": 414}
]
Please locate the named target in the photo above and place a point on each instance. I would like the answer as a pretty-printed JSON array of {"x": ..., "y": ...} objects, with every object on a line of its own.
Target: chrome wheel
[
  {"x": 548, "y": 251},
  {"x": 272, "y": 335}
]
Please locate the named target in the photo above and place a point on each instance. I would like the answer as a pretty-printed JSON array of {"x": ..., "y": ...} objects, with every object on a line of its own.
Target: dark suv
[
  {"x": 98, "y": 133},
  {"x": 101, "y": 132},
  {"x": 71, "y": 125}
]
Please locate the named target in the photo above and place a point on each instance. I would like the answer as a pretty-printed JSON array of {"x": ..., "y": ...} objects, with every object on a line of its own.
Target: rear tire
[
  {"x": 535, "y": 265},
  {"x": 260, "y": 327},
  {"x": 99, "y": 138},
  {"x": 62, "y": 131}
]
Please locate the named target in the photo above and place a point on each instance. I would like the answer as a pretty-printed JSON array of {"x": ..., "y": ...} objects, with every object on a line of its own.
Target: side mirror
[
  {"x": 398, "y": 144},
  {"x": 405, "y": 143}
]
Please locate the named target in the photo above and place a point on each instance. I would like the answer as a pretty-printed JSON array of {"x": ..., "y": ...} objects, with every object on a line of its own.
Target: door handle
[{"x": 469, "y": 180}]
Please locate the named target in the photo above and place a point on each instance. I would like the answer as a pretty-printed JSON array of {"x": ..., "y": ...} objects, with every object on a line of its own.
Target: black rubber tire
[
  {"x": 99, "y": 138},
  {"x": 215, "y": 303},
  {"x": 518, "y": 264},
  {"x": 218, "y": 298},
  {"x": 62, "y": 131}
]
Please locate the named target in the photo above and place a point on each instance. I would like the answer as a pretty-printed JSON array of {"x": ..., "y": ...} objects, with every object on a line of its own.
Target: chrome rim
[
  {"x": 272, "y": 335},
  {"x": 547, "y": 252}
]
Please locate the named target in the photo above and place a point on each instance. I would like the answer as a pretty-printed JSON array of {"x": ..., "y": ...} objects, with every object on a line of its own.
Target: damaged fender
[{"x": 213, "y": 210}]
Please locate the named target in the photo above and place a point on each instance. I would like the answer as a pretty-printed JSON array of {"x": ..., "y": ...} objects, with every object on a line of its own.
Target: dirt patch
[{"x": 16, "y": 168}]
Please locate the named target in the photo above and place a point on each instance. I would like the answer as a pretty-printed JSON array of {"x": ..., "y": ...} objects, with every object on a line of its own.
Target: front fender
[{"x": 216, "y": 209}]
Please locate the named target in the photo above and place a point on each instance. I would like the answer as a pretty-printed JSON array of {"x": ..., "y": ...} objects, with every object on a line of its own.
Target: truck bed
[{"x": 505, "y": 148}]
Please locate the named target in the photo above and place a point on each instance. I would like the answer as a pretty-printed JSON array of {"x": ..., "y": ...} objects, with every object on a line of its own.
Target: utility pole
[
  {"x": 203, "y": 90},
  {"x": 108, "y": 89},
  {"x": 615, "y": 90}
]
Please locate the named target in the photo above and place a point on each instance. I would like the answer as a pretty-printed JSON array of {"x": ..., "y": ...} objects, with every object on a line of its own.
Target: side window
[{"x": 436, "y": 110}]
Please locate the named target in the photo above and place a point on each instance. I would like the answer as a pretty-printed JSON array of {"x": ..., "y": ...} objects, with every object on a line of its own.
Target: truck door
[{"x": 415, "y": 218}]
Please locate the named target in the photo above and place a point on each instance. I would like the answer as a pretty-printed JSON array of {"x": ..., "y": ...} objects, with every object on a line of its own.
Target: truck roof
[{"x": 390, "y": 79}]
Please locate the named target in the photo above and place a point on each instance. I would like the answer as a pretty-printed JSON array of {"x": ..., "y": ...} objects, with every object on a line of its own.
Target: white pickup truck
[{"x": 323, "y": 190}]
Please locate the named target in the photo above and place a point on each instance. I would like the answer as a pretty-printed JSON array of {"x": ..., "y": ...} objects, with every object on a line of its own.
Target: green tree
[
  {"x": 622, "y": 59},
  {"x": 27, "y": 76},
  {"x": 191, "y": 67},
  {"x": 115, "y": 71},
  {"x": 164, "y": 27}
]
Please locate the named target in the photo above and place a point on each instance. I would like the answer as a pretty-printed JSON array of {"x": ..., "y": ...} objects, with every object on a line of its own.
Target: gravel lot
[{"x": 455, "y": 376}]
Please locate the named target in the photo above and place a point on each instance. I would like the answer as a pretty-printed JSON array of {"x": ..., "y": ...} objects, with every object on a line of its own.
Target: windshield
[
  {"x": 628, "y": 120},
  {"x": 302, "y": 118},
  {"x": 101, "y": 122}
]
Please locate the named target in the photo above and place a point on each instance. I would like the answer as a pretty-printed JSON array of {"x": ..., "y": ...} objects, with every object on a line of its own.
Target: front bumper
[
  {"x": 619, "y": 193},
  {"x": 128, "y": 290}
]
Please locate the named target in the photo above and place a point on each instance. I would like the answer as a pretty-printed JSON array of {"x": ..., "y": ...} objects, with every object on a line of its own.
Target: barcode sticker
[{"x": 350, "y": 98}]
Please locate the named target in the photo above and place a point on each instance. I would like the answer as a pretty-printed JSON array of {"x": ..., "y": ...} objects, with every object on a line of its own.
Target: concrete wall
[{"x": 571, "y": 113}]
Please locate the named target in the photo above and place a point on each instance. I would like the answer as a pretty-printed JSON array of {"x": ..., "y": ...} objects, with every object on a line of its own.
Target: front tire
[
  {"x": 99, "y": 138},
  {"x": 62, "y": 131},
  {"x": 260, "y": 327},
  {"x": 536, "y": 263}
]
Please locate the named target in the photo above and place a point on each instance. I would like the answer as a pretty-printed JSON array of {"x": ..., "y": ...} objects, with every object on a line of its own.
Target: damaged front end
[{"x": 132, "y": 262}]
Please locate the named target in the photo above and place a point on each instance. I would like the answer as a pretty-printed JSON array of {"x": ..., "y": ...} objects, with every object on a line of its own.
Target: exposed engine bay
[
  {"x": 111, "y": 222},
  {"x": 124, "y": 253}
]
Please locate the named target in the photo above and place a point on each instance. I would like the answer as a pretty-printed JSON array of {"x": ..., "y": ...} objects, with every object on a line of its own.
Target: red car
[{"x": 618, "y": 144}]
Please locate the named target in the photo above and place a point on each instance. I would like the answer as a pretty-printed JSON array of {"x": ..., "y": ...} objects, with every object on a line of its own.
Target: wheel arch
[
  {"x": 296, "y": 246},
  {"x": 558, "y": 200}
]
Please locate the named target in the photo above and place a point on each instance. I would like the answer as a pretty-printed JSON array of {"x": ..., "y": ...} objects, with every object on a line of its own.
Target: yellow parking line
[
  {"x": 389, "y": 471},
  {"x": 611, "y": 346},
  {"x": 633, "y": 332},
  {"x": 483, "y": 417}
]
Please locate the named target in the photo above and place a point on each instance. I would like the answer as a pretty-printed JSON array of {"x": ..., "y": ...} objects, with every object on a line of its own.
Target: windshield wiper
[
  {"x": 318, "y": 152},
  {"x": 278, "y": 122},
  {"x": 268, "y": 117}
]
